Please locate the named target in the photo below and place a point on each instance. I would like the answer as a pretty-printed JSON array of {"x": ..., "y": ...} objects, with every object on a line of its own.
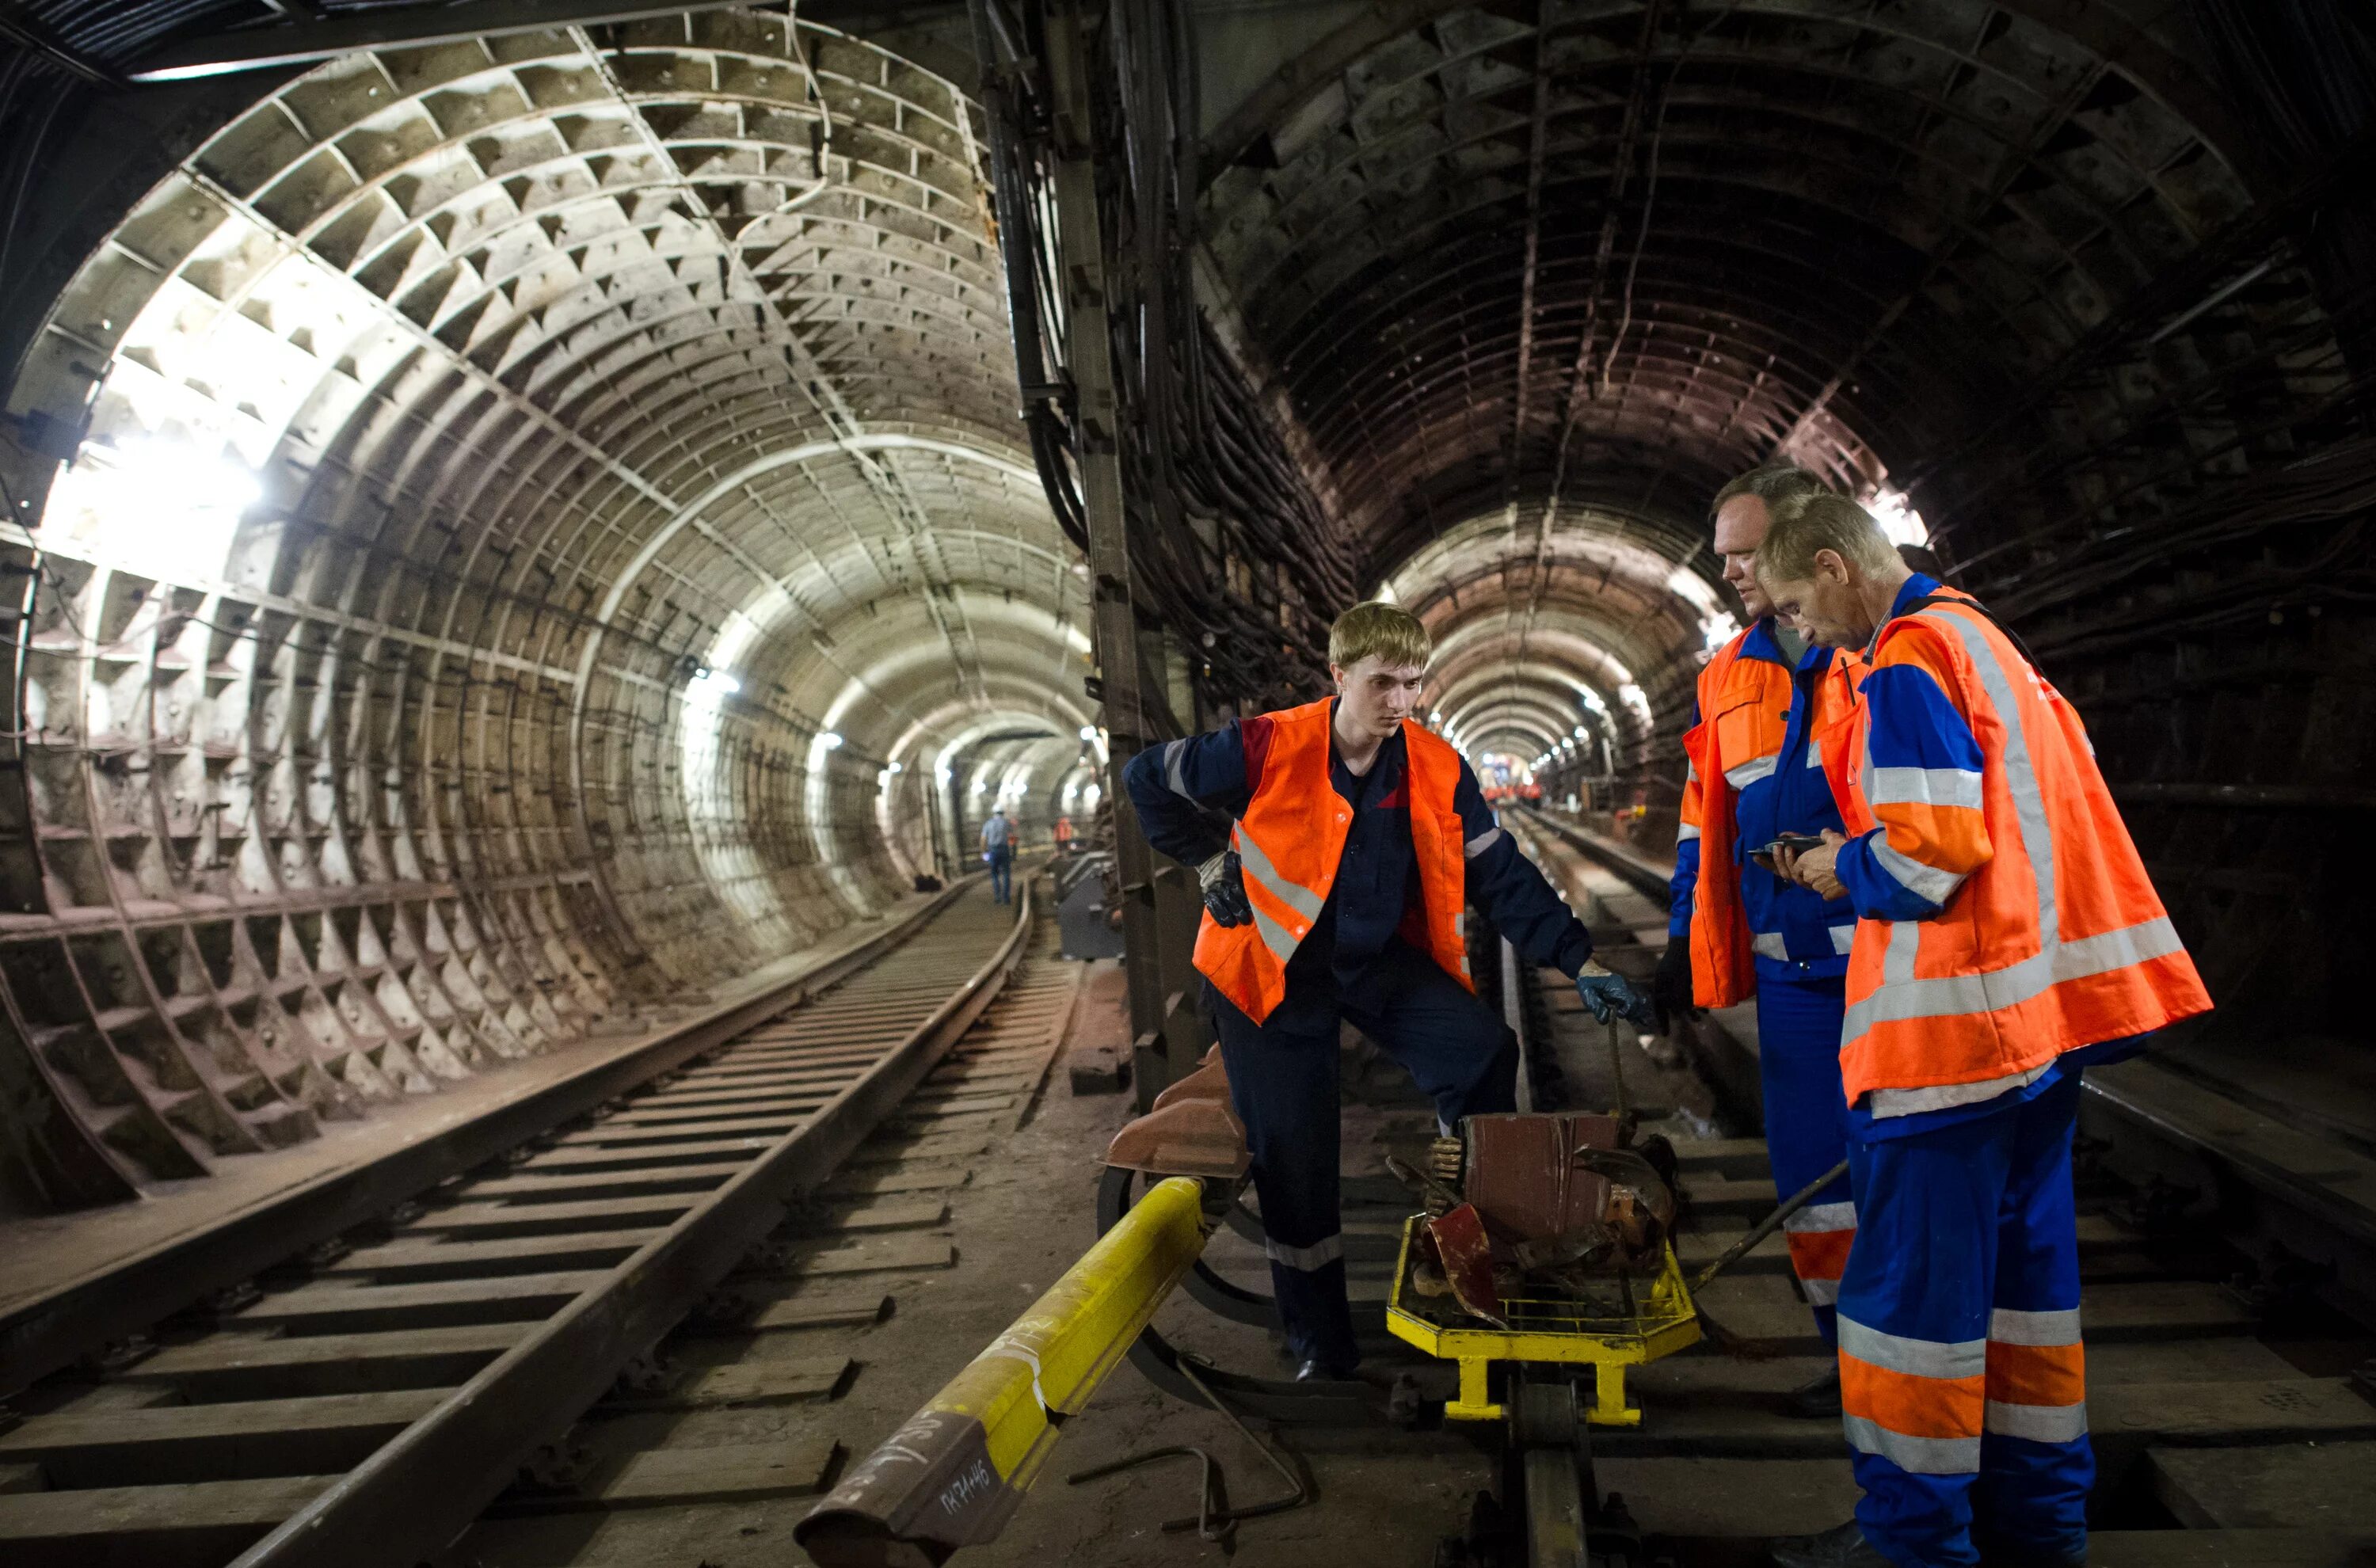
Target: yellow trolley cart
[{"x": 1614, "y": 1325}]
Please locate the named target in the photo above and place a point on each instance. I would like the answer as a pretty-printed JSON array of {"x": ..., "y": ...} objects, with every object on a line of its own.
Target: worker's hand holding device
[
  {"x": 1609, "y": 997},
  {"x": 1810, "y": 864},
  {"x": 1774, "y": 856},
  {"x": 1224, "y": 885}
]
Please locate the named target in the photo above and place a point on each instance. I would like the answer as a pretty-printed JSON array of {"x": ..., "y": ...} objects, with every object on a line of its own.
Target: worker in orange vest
[
  {"x": 1064, "y": 835},
  {"x": 1736, "y": 929},
  {"x": 2007, "y": 937},
  {"x": 1339, "y": 845}
]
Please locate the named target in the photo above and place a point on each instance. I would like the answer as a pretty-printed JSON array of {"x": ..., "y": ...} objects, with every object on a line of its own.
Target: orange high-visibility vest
[
  {"x": 2056, "y": 941},
  {"x": 1744, "y": 709},
  {"x": 1289, "y": 843},
  {"x": 1744, "y": 706}
]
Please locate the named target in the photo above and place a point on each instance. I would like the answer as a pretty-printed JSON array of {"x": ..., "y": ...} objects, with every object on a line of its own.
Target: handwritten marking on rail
[{"x": 977, "y": 1479}]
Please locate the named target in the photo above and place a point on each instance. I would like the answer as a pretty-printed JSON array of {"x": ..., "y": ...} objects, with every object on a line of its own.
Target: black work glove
[
  {"x": 1609, "y": 997},
  {"x": 1225, "y": 890},
  {"x": 1671, "y": 987}
]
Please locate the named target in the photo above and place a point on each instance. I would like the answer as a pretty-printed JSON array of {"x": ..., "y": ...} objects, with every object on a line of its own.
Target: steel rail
[
  {"x": 466, "y": 1452},
  {"x": 1623, "y": 860},
  {"x": 55, "y": 1330}
]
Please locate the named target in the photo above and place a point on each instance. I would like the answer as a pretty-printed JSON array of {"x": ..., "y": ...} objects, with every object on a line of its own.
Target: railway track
[{"x": 374, "y": 1395}]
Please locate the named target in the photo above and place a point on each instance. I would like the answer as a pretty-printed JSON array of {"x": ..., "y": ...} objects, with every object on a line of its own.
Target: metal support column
[{"x": 1080, "y": 243}]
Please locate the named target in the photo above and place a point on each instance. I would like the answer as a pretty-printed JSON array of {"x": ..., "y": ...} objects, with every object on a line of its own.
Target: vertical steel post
[{"x": 1080, "y": 244}]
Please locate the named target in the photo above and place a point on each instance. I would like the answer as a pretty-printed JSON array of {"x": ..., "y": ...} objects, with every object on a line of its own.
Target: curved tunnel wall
[{"x": 528, "y": 495}]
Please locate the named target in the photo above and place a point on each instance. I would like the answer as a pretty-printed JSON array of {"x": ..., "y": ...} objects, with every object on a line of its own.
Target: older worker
[{"x": 2007, "y": 935}]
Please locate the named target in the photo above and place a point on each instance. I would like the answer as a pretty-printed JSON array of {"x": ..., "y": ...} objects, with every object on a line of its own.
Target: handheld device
[{"x": 1796, "y": 843}]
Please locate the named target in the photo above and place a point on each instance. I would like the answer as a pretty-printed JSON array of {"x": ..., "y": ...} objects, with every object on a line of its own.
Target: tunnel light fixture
[
  {"x": 1898, "y": 517},
  {"x": 829, "y": 741},
  {"x": 1088, "y": 732},
  {"x": 710, "y": 687}
]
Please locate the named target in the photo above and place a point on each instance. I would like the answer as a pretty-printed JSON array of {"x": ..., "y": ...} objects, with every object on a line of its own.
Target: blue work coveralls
[{"x": 1966, "y": 1265}]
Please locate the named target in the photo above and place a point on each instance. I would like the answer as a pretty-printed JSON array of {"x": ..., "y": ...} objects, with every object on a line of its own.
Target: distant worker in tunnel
[
  {"x": 1735, "y": 928},
  {"x": 998, "y": 848},
  {"x": 1337, "y": 892},
  {"x": 2007, "y": 936},
  {"x": 1062, "y": 834}
]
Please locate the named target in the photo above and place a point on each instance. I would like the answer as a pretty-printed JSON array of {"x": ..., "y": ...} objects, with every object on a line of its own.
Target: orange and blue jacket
[
  {"x": 2006, "y": 922},
  {"x": 1753, "y": 772}
]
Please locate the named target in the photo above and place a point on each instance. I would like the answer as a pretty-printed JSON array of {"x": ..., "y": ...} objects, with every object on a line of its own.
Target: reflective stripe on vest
[
  {"x": 1289, "y": 843},
  {"x": 2018, "y": 969}
]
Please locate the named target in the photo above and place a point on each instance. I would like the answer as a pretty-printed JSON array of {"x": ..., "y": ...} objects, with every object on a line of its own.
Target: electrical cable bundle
[{"x": 1207, "y": 481}]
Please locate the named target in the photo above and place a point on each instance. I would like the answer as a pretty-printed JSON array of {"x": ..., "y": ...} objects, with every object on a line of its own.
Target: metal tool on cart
[{"x": 1546, "y": 1248}]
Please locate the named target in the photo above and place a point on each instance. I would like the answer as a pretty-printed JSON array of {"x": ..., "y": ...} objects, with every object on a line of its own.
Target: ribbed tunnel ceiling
[
  {"x": 1541, "y": 275},
  {"x": 635, "y": 481}
]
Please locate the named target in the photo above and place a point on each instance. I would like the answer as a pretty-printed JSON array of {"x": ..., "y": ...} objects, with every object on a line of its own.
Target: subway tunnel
[{"x": 523, "y": 520}]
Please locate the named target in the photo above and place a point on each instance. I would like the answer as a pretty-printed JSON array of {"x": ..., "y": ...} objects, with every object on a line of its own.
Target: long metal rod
[
  {"x": 1767, "y": 1225},
  {"x": 403, "y": 1503}
]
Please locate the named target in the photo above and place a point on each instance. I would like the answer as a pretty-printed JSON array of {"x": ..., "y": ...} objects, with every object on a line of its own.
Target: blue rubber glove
[
  {"x": 1224, "y": 886},
  {"x": 1609, "y": 997}
]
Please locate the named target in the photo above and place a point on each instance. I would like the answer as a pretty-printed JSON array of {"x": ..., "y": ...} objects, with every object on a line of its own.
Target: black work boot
[
  {"x": 1844, "y": 1547},
  {"x": 1818, "y": 1400}
]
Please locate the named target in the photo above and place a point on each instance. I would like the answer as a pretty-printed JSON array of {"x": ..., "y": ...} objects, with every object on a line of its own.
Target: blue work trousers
[
  {"x": 1806, "y": 1128},
  {"x": 1961, "y": 1370},
  {"x": 1002, "y": 874},
  {"x": 1283, "y": 1081}
]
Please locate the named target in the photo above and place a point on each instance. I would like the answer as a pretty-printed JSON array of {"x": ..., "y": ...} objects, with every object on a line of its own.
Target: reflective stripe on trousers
[
  {"x": 1923, "y": 1404},
  {"x": 1819, "y": 1237},
  {"x": 1960, "y": 1355}
]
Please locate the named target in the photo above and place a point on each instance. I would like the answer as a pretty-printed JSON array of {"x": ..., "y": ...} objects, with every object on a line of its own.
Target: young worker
[
  {"x": 1337, "y": 892},
  {"x": 2007, "y": 936},
  {"x": 1736, "y": 929}
]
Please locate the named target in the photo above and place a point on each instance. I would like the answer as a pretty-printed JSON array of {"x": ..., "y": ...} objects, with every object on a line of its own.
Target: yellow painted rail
[{"x": 956, "y": 1472}]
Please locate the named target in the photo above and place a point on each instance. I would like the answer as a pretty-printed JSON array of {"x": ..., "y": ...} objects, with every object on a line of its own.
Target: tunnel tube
[{"x": 519, "y": 500}]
